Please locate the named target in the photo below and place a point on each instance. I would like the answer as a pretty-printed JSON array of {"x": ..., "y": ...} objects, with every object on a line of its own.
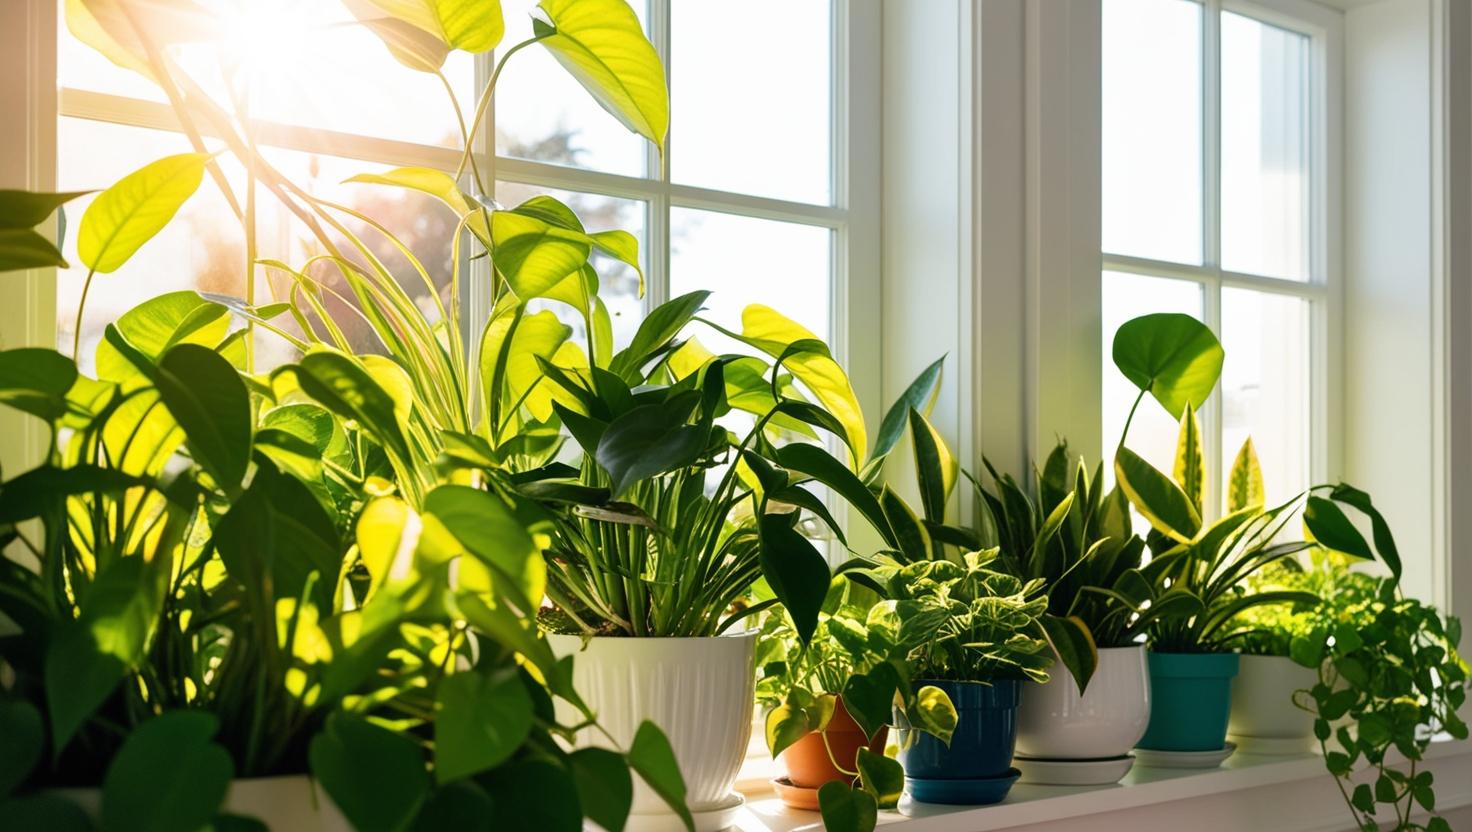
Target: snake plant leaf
[
  {"x": 845, "y": 809},
  {"x": 534, "y": 255},
  {"x": 774, "y": 333},
  {"x": 920, "y": 396},
  {"x": 1190, "y": 467},
  {"x": 881, "y": 776},
  {"x": 1173, "y": 356},
  {"x": 1244, "y": 481},
  {"x": 910, "y": 536},
  {"x": 1384, "y": 540},
  {"x": 35, "y": 380},
  {"x": 210, "y": 403},
  {"x": 1074, "y": 644},
  {"x": 605, "y": 786},
  {"x": 796, "y": 572},
  {"x": 488, "y": 529},
  {"x": 602, "y": 44},
  {"x": 935, "y": 468},
  {"x": 1154, "y": 495},
  {"x": 169, "y": 775},
  {"x": 376, "y": 776},
  {"x": 90, "y": 655},
  {"x": 1333, "y": 530},
  {"x": 128, "y": 214},
  {"x": 652, "y": 757},
  {"x": 480, "y": 720}
]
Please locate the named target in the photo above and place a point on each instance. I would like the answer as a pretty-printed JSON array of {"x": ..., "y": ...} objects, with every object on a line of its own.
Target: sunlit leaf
[
  {"x": 210, "y": 403},
  {"x": 127, "y": 215},
  {"x": 1173, "y": 356},
  {"x": 602, "y": 44},
  {"x": 1244, "y": 483},
  {"x": 108, "y": 28},
  {"x": 623, "y": 247},
  {"x": 534, "y": 255},
  {"x": 436, "y": 183},
  {"x": 157, "y": 324},
  {"x": 881, "y": 776},
  {"x": 935, "y": 467},
  {"x": 484, "y": 525},
  {"x": 846, "y": 809},
  {"x": 469, "y": 25},
  {"x": 1190, "y": 473},
  {"x": 1154, "y": 495},
  {"x": 920, "y": 396}
]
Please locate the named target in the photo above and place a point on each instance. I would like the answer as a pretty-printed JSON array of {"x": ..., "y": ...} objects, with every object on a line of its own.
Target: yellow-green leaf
[
  {"x": 408, "y": 44},
  {"x": 106, "y": 27},
  {"x": 387, "y": 535},
  {"x": 471, "y": 25},
  {"x": 534, "y": 255},
  {"x": 436, "y": 183},
  {"x": 1190, "y": 468},
  {"x": 1244, "y": 485},
  {"x": 1154, "y": 495},
  {"x": 138, "y": 206},
  {"x": 623, "y": 247},
  {"x": 772, "y": 332},
  {"x": 602, "y": 44}
]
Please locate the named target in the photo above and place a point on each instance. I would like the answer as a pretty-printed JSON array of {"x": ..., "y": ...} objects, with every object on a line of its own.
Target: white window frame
[
  {"x": 852, "y": 217},
  {"x": 1323, "y": 289}
]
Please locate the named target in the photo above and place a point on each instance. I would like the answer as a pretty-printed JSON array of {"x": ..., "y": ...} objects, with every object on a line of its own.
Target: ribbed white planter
[
  {"x": 294, "y": 803},
  {"x": 700, "y": 691},
  {"x": 1264, "y": 718},
  {"x": 1056, "y": 722}
]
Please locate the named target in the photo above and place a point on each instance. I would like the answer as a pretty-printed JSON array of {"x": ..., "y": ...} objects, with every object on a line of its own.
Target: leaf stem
[{"x": 81, "y": 307}]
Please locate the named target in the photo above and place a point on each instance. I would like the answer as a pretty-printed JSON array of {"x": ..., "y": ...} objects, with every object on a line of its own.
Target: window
[
  {"x": 1215, "y": 160},
  {"x": 750, "y": 200}
]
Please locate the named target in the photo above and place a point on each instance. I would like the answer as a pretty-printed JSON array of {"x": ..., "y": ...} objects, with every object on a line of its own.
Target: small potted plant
[
  {"x": 808, "y": 723},
  {"x": 969, "y": 631}
]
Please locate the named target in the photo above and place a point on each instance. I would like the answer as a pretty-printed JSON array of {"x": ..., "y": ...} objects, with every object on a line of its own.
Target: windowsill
[{"x": 1294, "y": 791}]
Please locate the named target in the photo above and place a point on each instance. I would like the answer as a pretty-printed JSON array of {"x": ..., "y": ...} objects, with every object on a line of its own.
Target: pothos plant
[{"x": 204, "y": 582}]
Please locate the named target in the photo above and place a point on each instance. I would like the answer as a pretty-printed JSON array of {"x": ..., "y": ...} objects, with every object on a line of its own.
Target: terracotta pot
[{"x": 808, "y": 763}]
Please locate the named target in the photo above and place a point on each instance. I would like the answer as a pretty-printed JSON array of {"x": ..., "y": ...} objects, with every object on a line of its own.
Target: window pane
[
  {"x": 1153, "y": 431},
  {"x": 308, "y": 64},
  {"x": 543, "y": 114},
  {"x": 751, "y": 103},
  {"x": 786, "y": 267},
  {"x": 618, "y": 284},
  {"x": 203, "y": 248},
  {"x": 1152, "y": 129},
  {"x": 1265, "y": 161},
  {"x": 1266, "y": 387}
]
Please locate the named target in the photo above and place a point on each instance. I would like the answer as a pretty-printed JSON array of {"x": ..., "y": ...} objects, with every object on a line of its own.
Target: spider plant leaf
[
  {"x": 1244, "y": 482},
  {"x": 1154, "y": 495},
  {"x": 602, "y": 44},
  {"x": 138, "y": 206},
  {"x": 1190, "y": 466},
  {"x": 1174, "y": 357}
]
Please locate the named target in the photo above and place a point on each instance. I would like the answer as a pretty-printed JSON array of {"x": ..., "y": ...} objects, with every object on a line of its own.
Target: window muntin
[{"x": 1261, "y": 277}]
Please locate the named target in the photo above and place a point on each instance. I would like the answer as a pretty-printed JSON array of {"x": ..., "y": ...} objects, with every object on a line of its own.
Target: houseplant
[
  {"x": 802, "y": 687},
  {"x": 969, "y": 631}
]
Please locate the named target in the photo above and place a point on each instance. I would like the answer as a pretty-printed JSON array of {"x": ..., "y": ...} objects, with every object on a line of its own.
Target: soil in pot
[
  {"x": 808, "y": 761},
  {"x": 976, "y": 767},
  {"x": 1191, "y": 696}
]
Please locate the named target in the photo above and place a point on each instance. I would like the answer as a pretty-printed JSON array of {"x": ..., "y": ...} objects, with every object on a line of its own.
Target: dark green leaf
[
  {"x": 209, "y": 401},
  {"x": 813, "y": 461},
  {"x": 535, "y": 795},
  {"x": 605, "y": 787},
  {"x": 1333, "y": 530},
  {"x": 1074, "y": 646},
  {"x": 650, "y": 440},
  {"x": 25, "y": 736},
  {"x": 881, "y": 776},
  {"x": 656, "y": 331},
  {"x": 50, "y": 812},
  {"x": 1173, "y": 356},
  {"x": 869, "y": 697},
  {"x": 35, "y": 380},
  {"x": 480, "y": 721},
  {"x": 375, "y": 776},
  {"x": 462, "y": 806},
  {"x": 1384, "y": 540},
  {"x": 168, "y": 776},
  {"x": 845, "y": 809},
  {"x": 653, "y": 758},
  {"x": 795, "y": 570},
  {"x": 920, "y": 395}
]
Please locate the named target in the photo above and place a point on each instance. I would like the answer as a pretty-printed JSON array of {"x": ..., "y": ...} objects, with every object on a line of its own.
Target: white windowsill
[{"x": 1274, "y": 793}]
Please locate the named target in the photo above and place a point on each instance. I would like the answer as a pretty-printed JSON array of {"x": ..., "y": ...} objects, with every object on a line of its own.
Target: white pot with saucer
[{"x": 1068, "y": 737}]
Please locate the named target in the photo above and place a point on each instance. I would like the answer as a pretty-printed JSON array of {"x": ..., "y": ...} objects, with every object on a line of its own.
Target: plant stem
[
  {"x": 485, "y": 101},
  {"x": 1128, "y": 419},
  {"x": 81, "y": 306}
]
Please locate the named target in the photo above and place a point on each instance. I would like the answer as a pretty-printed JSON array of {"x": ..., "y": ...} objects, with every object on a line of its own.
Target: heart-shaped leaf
[
  {"x": 210, "y": 402},
  {"x": 605, "y": 787},
  {"x": 653, "y": 758},
  {"x": 168, "y": 776},
  {"x": 375, "y": 776},
  {"x": 796, "y": 572},
  {"x": 1173, "y": 356},
  {"x": 480, "y": 721},
  {"x": 881, "y": 776},
  {"x": 845, "y": 809}
]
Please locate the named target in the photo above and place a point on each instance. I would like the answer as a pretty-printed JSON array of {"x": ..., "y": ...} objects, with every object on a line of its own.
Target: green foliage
[{"x": 1389, "y": 677}]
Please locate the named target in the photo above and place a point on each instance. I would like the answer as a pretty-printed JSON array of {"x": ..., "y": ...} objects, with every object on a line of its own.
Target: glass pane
[
  {"x": 308, "y": 64},
  {"x": 751, "y": 99},
  {"x": 1266, "y": 385},
  {"x": 204, "y": 247},
  {"x": 1153, "y": 431},
  {"x": 1265, "y": 162},
  {"x": 791, "y": 273},
  {"x": 543, "y": 114},
  {"x": 618, "y": 284},
  {"x": 1152, "y": 129}
]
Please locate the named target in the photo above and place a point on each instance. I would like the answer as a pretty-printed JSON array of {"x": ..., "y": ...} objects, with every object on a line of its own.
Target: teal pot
[
  {"x": 980, "y": 749},
  {"x": 1191, "y": 701}
]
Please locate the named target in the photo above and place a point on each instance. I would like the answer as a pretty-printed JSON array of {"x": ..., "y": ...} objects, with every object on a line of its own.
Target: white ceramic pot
[
  {"x": 1264, "y": 718},
  {"x": 294, "y": 803},
  {"x": 1056, "y": 722},
  {"x": 700, "y": 691}
]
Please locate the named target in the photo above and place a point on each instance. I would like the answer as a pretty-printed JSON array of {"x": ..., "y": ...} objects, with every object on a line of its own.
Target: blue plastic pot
[
  {"x": 986, "y": 733},
  {"x": 1190, "y": 701}
]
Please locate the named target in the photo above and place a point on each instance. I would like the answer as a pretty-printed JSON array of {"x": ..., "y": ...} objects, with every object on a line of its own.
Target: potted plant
[
  {"x": 802, "y": 686},
  {"x": 969, "y": 631}
]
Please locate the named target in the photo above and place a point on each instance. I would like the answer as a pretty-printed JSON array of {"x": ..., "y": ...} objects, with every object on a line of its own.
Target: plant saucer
[
  {"x": 979, "y": 792},
  {"x": 798, "y": 797},
  {"x": 1074, "y": 772},
  {"x": 1184, "y": 759}
]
